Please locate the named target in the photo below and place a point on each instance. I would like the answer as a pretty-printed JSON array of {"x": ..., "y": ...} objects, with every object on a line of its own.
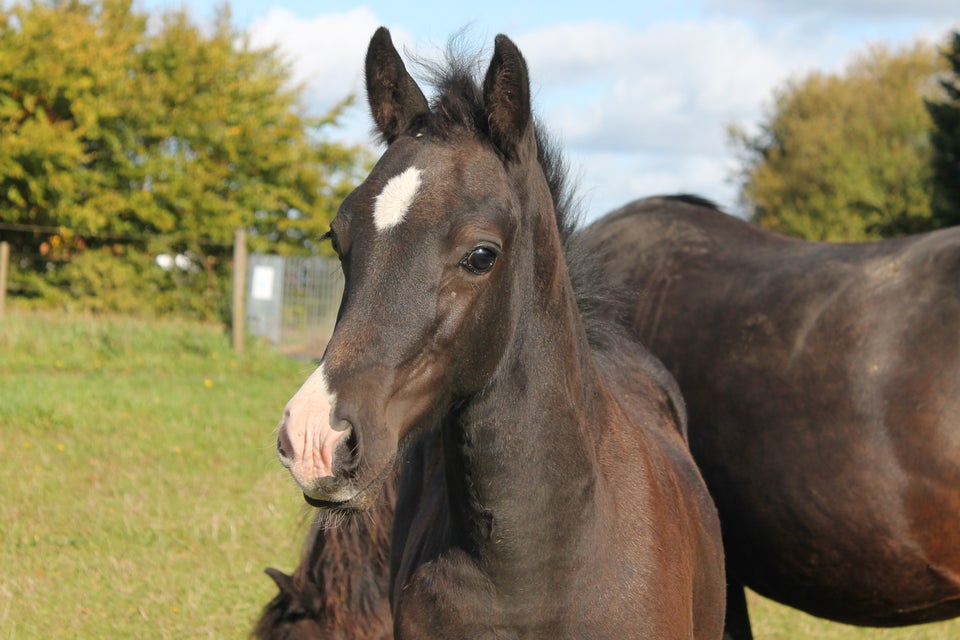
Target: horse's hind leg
[{"x": 736, "y": 626}]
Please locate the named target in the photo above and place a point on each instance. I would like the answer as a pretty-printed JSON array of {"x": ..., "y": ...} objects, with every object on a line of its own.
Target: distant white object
[
  {"x": 181, "y": 261},
  {"x": 262, "y": 285}
]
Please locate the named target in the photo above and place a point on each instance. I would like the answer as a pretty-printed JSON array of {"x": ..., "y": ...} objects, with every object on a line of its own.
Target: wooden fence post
[
  {"x": 4, "y": 262},
  {"x": 239, "y": 287}
]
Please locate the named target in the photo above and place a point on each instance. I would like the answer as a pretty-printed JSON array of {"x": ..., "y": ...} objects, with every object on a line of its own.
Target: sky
[{"x": 639, "y": 95}]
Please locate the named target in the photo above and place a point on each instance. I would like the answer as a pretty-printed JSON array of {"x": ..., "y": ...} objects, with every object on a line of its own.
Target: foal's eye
[
  {"x": 480, "y": 260},
  {"x": 329, "y": 235}
]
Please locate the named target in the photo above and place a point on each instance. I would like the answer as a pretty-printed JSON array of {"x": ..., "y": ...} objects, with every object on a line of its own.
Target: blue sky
[{"x": 639, "y": 94}]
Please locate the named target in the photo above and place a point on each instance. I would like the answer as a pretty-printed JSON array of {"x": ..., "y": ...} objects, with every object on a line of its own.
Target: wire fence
[{"x": 293, "y": 301}]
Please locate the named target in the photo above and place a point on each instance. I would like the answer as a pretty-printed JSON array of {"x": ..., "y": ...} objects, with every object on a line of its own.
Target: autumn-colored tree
[
  {"x": 946, "y": 140},
  {"x": 166, "y": 138},
  {"x": 846, "y": 156},
  {"x": 61, "y": 93}
]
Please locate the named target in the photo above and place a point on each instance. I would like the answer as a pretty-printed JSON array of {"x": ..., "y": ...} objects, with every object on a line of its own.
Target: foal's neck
[{"x": 520, "y": 457}]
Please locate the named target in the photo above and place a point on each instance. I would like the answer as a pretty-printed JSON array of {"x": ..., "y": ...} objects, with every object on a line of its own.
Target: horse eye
[
  {"x": 480, "y": 260},
  {"x": 329, "y": 235}
]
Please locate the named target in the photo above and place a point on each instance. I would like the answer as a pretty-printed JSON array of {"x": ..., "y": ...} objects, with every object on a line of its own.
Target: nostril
[
  {"x": 339, "y": 424},
  {"x": 347, "y": 459},
  {"x": 284, "y": 446}
]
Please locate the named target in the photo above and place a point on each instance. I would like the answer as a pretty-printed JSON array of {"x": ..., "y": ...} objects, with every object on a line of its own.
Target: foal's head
[{"x": 441, "y": 246}]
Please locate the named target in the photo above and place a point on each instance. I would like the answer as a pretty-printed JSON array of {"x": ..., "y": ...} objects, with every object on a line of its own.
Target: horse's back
[{"x": 824, "y": 397}]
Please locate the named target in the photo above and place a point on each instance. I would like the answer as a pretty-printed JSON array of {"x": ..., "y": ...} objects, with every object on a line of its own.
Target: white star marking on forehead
[{"x": 393, "y": 202}]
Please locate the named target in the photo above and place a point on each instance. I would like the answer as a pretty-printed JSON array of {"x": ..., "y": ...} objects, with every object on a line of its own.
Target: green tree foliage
[
  {"x": 846, "y": 157},
  {"x": 946, "y": 141},
  {"x": 167, "y": 138}
]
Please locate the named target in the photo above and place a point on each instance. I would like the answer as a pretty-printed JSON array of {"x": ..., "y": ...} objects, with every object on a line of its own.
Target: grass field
[
  {"x": 141, "y": 494},
  {"x": 141, "y": 497},
  {"x": 772, "y": 621}
]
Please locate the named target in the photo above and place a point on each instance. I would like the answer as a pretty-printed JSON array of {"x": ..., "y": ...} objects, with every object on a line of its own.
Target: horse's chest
[
  {"x": 446, "y": 597},
  {"x": 451, "y": 597}
]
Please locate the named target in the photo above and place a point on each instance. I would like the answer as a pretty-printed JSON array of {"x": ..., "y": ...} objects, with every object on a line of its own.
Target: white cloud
[
  {"x": 610, "y": 180},
  {"x": 670, "y": 87},
  {"x": 860, "y": 9},
  {"x": 325, "y": 53},
  {"x": 645, "y": 110}
]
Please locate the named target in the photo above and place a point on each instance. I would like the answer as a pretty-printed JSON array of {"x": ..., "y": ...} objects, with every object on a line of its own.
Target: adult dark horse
[
  {"x": 823, "y": 388},
  {"x": 546, "y": 488}
]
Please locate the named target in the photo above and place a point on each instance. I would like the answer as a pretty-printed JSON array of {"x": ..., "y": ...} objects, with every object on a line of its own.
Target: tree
[
  {"x": 61, "y": 93},
  {"x": 846, "y": 157},
  {"x": 945, "y": 139},
  {"x": 163, "y": 139}
]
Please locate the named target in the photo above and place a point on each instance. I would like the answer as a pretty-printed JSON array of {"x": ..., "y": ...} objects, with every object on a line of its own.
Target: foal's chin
[
  {"x": 344, "y": 498},
  {"x": 358, "y": 503}
]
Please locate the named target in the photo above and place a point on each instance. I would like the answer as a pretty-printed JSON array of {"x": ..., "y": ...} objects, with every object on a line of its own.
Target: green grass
[
  {"x": 141, "y": 497},
  {"x": 141, "y": 494},
  {"x": 772, "y": 621}
]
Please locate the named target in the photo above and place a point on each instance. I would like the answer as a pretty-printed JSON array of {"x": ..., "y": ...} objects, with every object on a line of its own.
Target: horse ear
[
  {"x": 506, "y": 93},
  {"x": 394, "y": 97},
  {"x": 282, "y": 580}
]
